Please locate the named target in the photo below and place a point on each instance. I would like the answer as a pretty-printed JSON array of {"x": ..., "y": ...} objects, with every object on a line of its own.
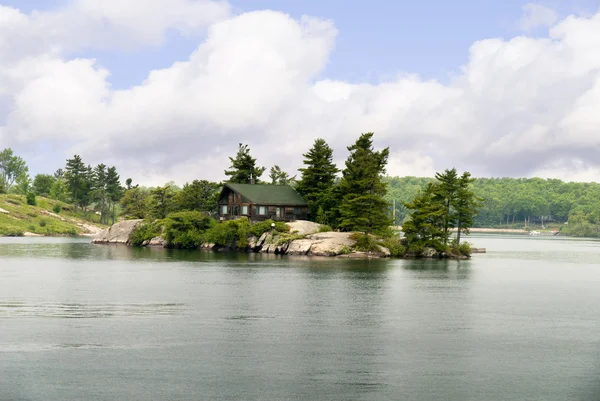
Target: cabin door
[{"x": 279, "y": 212}]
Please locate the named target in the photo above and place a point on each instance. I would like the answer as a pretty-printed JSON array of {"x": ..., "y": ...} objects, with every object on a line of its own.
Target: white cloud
[
  {"x": 518, "y": 107},
  {"x": 536, "y": 16}
]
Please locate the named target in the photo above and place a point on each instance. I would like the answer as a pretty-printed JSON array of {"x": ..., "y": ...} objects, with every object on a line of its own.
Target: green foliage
[
  {"x": 286, "y": 238},
  {"x": 22, "y": 185},
  {"x": 31, "y": 199},
  {"x": 582, "y": 225},
  {"x": 42, "y": 184},
  {"x": 56, "y": 208},
  {"x": 316, "y": 183},
  {"x": 77, "y": 180},
  {"x": 232, "y": 233},
  {"x": 134, "y": 203},
  {"x": 11, "y": 168},
  {"x": 258, "y": 229},
  {"x": 243, "y": 167},
  {"x": 43, "y": 223},
  {"x": 324, "y": 228},
  {"x": 200, "y": 195},
  {"x": 186, "y": 229},
  {"x": 145, "y": 232},
  {"x": 394, "y": 244},
  {"x": 361, "y": 189},
  {"x": 161, "y": 202},
  {"x": 426, "y": 223},
  {"x": 345, "y": 250},
  {"x": 280, "y": 177},
  {"x": 365, "y": 242}
]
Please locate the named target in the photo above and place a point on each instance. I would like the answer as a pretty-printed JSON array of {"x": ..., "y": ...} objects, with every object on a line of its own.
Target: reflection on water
[{"x": 518, "y": 323}]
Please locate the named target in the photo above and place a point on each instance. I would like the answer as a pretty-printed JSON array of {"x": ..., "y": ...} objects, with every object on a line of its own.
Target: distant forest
[{"x": 514, "y": 202}]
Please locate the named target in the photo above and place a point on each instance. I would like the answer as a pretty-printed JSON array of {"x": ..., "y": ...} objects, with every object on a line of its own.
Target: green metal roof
[{"x": 269, "y": 194}]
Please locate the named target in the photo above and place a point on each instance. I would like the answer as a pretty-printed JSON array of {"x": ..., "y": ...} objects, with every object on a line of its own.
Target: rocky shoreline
[{"x": 310, "y": 242}]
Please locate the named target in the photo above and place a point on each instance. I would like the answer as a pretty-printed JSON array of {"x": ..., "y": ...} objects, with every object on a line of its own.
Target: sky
[{"x": 165, "y": 90}]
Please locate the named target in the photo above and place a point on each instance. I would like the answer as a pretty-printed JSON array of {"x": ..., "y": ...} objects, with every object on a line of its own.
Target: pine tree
[
  {"x": 114, "y": 189},
  {"x": 361, "y": 189},
  {"x": 75, "y": 174},
  {"x": 98, "y": 192},
  {"x": 446, "y": 190},
  {"x": 161, "y": 201},
  {"x": 200, "y": 195},
  {"x": 466, "y": 205},
  {"x": 243, "y": 167},
  {"x": 425, "y": 227},
  {"x": 317, "y": 181}
]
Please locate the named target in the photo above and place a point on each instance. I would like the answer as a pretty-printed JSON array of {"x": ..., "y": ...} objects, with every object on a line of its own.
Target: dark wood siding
[{"x": 235, "y": 203}]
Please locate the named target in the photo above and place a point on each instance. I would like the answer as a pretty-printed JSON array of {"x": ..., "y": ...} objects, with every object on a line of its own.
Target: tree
[
  {"x": 128, "y": 183},
  {"x": 98, "y": 193},
  {"x": 466, "y": 205},
  {"x": 114, "y": 189},
  {"x": 445, "y": 192},
  {"x": 11, "y": 168},
  {"x": 42, "y": 184},
  {"x": 134, "y": 203},
  {"x": 22, "y": 185},
  {"x": 280, "y": 177},
  {"x": 200, "y": 195},
  {"x": 76, "y": 176},
  {"x": 361, "y": 189},
  {"x": 425, "y": 227},
  {"x": 243, "y": 167},
  {"x": 317, "y": 181},
  {"x": 161, "y": 201}
]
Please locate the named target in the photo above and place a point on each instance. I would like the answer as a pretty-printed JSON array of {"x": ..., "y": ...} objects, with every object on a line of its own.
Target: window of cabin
[
  {"x": 262, "y": 210},
  {"x": 278, "y": 212},
  {"x": 297, "y": 210},
  {"x": 224, "y": 209},
  {"x": 245, "y": 210}
]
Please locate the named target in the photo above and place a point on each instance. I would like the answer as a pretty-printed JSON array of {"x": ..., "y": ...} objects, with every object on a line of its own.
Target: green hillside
[{"x": 47, "y": 218}]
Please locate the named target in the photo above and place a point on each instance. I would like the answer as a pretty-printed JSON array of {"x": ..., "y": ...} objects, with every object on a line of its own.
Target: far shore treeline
[{"x": 357, "y": 198}]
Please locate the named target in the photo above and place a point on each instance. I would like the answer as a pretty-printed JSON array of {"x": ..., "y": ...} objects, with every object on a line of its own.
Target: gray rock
[
  {"x": 299, "y": 247},
  {"x": 429, "y": 253},
  {"x": 117, "y": 234},
  {"x": 158, "y": 242},
  {"x": 330, "y": 243},
  {"x": 304, "y": 227}
]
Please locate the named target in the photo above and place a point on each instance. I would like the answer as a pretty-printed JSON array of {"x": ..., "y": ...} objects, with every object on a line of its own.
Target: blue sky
[{"x": 377, "y": 39}]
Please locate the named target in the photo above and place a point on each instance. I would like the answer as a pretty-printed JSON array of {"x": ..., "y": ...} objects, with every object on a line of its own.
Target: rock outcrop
[
  {"x": 304, "y": 227},
  {"x": 117, "y": 234}
]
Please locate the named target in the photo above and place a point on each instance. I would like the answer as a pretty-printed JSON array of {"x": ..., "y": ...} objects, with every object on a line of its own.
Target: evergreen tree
[
  {"x": 280, "y": 177},
  {"x": 114, "y": 189},
  {"x": 446, "y": 190},
  {"x": 361, "y": 189},
  {"x": 161, "y": 201},
  {"x": 243, "y": 167},
  {"x": 425, "y": 228},
  {"x": 200, "y": 195},
  {"x": 317, "y": 181},
  {"x": 134, "y": 203},
  {"x": 466, "y": 205},
  {"x": 76, "y": 176}
]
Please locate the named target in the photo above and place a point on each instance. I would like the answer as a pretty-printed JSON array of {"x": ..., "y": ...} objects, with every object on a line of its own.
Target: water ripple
[{"x": 86, "y": 311}]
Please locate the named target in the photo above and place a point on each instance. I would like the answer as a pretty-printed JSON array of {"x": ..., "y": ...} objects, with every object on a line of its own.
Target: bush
[
  {"x": 287, "y": 238},
  {"x": 42, "y": 223},
  {"x": 258, "y": 229},
  {"x": 232, "y": 233},
  {"x": 186, "y": 229},
  {"x": 365, "y": 242},
  {"x": 144, "y": 232},
  {"x": 394, "y": 244},
  {"x": 465, "y": 249},
  {"x": 56, "y": 208},
  {"x": 324, "y": 228},
  {"x": 31, "y": 199}
]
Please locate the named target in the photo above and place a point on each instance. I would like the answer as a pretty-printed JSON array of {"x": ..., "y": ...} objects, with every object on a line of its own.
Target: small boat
[{"x": 534, "y": 232}]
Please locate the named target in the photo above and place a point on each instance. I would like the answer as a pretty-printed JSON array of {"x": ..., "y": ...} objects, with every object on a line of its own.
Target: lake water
[{"x": 92, "y": 322}]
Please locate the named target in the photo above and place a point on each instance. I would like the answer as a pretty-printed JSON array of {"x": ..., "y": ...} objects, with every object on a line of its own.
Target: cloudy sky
[{"x": 166, "y": 89}]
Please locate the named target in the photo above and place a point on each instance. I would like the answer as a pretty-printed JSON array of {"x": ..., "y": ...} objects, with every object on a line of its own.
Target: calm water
[{"x": 85, "y": 322}]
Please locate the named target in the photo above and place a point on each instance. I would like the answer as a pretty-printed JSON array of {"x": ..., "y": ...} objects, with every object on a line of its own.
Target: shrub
[
  {"x": 56, "y": 208},
  {"x": 32, "y": 214},
  {"x": 31, "y": 228},
  {"x": 324, "y": 228},
  {"x": 42, "y": 223},
  {"x": 394, "y": 244},
  {"x": 144, "y": 232},
  {"x": 365, "y": 242},
  {"x": 231, "y": 233},
  {"x": 465, "y": 249},
  {"x": 186, "y": 229},
  {"x": 258, "y": 229},
  {"x": 31, "y": 199},
  {"x": 287, "y": 238}
]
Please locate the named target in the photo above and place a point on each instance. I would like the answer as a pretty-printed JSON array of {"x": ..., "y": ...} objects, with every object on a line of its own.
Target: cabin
[{"x": 261, "y": 202}]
